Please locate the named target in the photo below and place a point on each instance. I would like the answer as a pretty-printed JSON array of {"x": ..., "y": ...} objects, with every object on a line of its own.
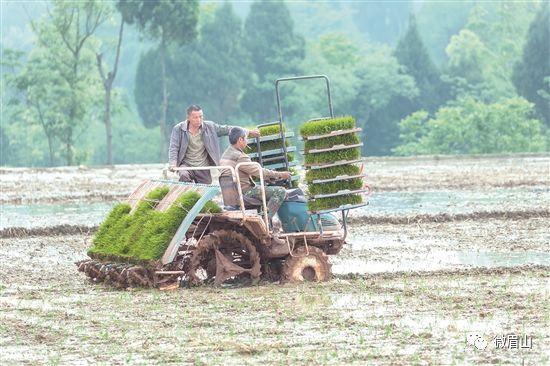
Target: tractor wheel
[
  {"x": 304, "y": 266},
  {"x": 223, "y": 255}
]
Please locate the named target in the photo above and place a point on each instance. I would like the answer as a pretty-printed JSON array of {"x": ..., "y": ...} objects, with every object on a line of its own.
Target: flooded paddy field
[{"x": 451, "y": 256}]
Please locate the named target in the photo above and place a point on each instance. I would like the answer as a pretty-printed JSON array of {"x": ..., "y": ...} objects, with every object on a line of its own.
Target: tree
[
  {"x": 276, "y": 52},
  {"x": 168, "y": 22},
  {"x": 473, "y": 127},
  {"x": 482, "y": 55},
  {"x": 217, "y": 65},
  {"x": 382, "y": 21},
  {"x": 412, "y": 54},
  {"x": 214, "y": 71},
  {"x": 61, "y": 73},
  {"x": 107, "y": 79},
  {"x": 534, "y": 66},
  {"x": 382, "y": 90},
  {"x": 12, "y": 102}
]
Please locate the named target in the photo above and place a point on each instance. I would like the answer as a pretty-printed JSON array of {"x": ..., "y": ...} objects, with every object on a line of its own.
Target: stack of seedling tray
[
  {"x": 332, "y": 153},
  {"x": 269, "y": 151}
]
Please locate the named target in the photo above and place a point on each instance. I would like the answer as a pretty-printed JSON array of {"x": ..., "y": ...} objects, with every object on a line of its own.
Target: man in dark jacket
[{"x": 194, "y": 143}]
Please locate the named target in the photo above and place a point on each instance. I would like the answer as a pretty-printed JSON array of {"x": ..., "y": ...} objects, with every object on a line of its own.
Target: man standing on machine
[{"x": 194, "y": 143}]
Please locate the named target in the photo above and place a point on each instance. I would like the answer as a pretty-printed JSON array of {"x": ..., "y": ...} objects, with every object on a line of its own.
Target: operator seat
[{"x": 230, "y": 195}]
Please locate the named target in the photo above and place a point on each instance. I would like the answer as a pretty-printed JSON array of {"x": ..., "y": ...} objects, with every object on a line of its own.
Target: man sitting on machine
[{"x": 234, "y": 155}]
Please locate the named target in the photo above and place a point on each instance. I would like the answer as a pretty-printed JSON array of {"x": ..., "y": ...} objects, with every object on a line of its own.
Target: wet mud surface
[
  {"x": 51, "y": 315},
  {"x": 450, "y": 250}
]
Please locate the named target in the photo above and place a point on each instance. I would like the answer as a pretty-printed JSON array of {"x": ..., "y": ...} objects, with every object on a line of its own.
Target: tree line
[{"x": 490, "y": 93}]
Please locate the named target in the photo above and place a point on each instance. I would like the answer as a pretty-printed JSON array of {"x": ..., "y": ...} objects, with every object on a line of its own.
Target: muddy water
[
  {"x": 380, "y": 204},
  {"x": 45, "y": 214},
  {"x": 454, "y": 201}
]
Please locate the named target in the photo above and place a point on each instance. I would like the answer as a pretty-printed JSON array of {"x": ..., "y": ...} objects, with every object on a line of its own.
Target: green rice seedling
[
  {"x": 348, "y": 139},
  {"x": 332, "y": 156},
  {"x": 114, "y": 241},
  {"x": 268, "y": 145},
  {"x": 325, "y": 126},
  {"x": 333, "y": 187},
  {"x": 143, "y": 236},
  {"x": 334, "y": 202},
  {"x": 328, "y": 173}
]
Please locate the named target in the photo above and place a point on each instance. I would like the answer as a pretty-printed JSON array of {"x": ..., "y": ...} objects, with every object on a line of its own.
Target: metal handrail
[{"x": 237, "y": 179}]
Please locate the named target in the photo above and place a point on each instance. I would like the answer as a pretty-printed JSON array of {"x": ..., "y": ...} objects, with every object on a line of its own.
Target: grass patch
[{"x": 144, "y": 235}]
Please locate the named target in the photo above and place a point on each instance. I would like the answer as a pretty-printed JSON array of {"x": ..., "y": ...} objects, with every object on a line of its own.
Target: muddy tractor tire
[
  {"x": 223, "y": 255},
  {"x": 309, "y": 264}
]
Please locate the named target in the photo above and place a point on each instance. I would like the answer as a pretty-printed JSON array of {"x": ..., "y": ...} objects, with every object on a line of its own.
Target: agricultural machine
[{"x": 240, "y": 242}]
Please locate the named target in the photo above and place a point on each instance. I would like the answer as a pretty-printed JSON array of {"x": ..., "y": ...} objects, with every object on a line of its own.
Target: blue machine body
[{"x": 295, "y": 217}]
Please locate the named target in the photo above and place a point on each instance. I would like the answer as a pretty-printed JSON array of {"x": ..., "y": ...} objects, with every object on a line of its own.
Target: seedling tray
[
  {"x": 336, "y": 163},
  {"x": 338, "y": 178},
  {"x": 341, "y": 208},
  {"x": 332, "y": 134},
  {"x": 280, "y": 165},
  {"x": 333, "y": 148},
  {"x": 276, "y": 136},
  {"x": 273, "y": 152},
  {"x": 343, "y": 192}
]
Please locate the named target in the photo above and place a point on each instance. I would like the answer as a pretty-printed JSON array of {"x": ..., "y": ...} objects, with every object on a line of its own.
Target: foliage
[
  {"x": 143, "y": 236},
  {"x": 275, "y": 51},
  {"x": 482, "y": 55},
  {"x": 382, "y": 90},
  {"x": 472, "y": 127},
  {"x": 382, "y": 21},
  {"x": 413, "y": 56},
  {"x": 530, "y": 72},
  {"x": 58, "y": 80},
  {"x": 217, "y": 60},
  {"x": 170, "y": 22}
]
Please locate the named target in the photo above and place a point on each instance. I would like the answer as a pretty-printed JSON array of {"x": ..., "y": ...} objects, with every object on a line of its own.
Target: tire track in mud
[
  {"x": 543, "y": 269},
  {"x": 445, "y": 217},
  {"x": 66, "y": 229},
  {"x": 57, "y": 230}
]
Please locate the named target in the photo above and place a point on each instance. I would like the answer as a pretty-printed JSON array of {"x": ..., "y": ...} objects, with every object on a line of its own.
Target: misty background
[{"x": 419, "y": 78}]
